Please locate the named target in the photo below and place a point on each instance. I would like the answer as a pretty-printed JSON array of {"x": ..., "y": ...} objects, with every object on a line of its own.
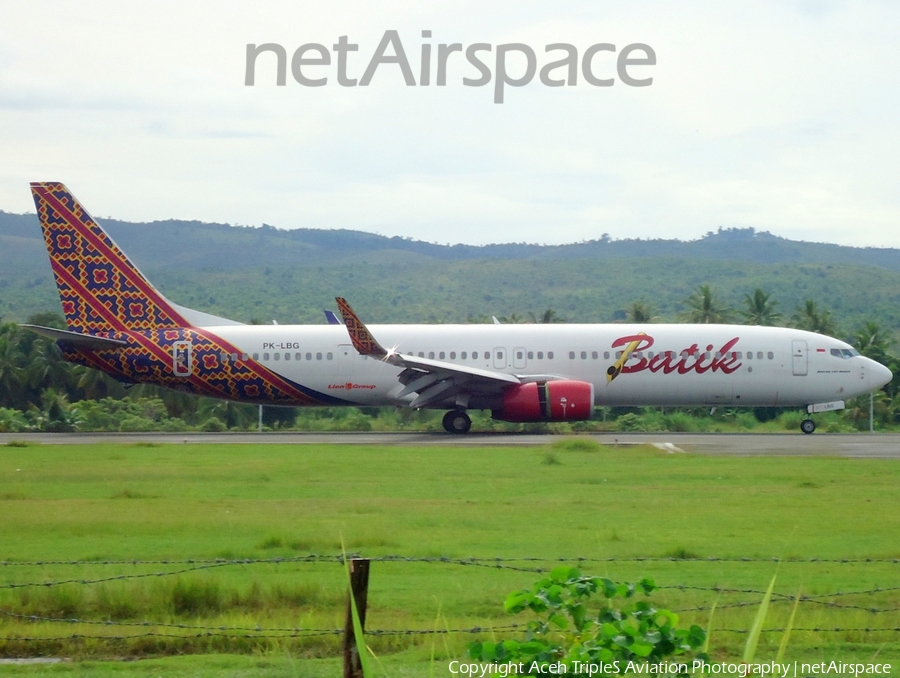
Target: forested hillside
[
  {"x": 264, "y": 274},
  {"x": 290, "y": 276}
]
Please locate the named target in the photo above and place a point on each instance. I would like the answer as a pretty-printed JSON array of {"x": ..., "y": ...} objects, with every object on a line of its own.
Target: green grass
[{"x": 121, "y": 502}]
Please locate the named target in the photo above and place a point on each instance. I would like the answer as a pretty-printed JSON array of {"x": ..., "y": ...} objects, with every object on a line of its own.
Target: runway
[{"x": 857, "y": 445}]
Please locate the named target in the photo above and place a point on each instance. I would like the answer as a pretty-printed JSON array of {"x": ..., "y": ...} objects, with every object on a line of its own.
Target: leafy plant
[{"x": 568, "y": 632}]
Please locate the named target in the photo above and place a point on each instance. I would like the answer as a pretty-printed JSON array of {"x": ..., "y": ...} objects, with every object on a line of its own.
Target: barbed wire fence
[{"x": 535, "y": 565}]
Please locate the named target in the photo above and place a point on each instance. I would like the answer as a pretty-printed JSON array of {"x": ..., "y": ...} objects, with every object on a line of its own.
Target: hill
[{"x": 267, "y": 273}]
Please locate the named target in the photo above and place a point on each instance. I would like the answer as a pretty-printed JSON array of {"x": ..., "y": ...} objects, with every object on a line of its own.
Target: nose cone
[{"x": 878, "y": 375}]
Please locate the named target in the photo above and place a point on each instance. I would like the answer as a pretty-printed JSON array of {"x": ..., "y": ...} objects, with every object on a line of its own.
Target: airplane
[{"x": 119, "y": 323}]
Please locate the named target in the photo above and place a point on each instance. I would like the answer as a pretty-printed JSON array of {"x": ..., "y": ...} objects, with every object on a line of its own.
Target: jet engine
[{"x": 562, "y": 400}]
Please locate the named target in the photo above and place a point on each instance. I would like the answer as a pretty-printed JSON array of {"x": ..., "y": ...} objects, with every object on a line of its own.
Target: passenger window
[
  {"x": 277, "y": 356},
  {"x": 265, "y": 356},
  {"x": 298, "y": 356},
  {"x": 256, "y": 356},
  {"x": 474, "y": 355},
  {"x": 618, "y": 354},
  {"x": 244, "y": 356},
  {"x": 531, "y": 355},
  {"x": 318, "y": 356},
  {"x": 519, "y": 355},
  {"x": 421, "y": 355},
  {"x": 594, "y": 355},
  {"x": 431, "y": 355},
  {"x": 462, "y": 355},
  {"x": 549, "y": 355},
  {"x": 499, "y": 355},
  {"x": 223, "y": 357},
  {"x": 452, "y": 355},
  {"x": 759, "y": 355},
  {"x": 571, "y": 355},
  {"x": 330, "y": 356},
  {"x": 606, "y": 355},
  {"x": 234, "y": 357},
  {"x": 487, "y": 355},
  {"x": 771, "y": 355},
  {"x": 584, "y": 355},
  {"x": 441, "y": 355},
  {"x": 309, "y": 356},
  {"x": 287, "y": 356},
  {"x": 749, "y": 355},
  {"x": 540, "y": 355}
]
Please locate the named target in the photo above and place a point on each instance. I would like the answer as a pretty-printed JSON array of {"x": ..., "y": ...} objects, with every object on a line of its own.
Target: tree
[
  {"x": 760, "y": 309},
  {"x": 548, "y": 316},
  {"x": 12, "y": 371},
  {"x": 704, "y": 308},
  {"x": 873, "y": 342},
  {"x": 641, "y": 312},
  {"x": 813, "y": 319}
]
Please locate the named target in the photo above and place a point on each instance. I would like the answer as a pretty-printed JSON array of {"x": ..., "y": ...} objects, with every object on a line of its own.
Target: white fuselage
[{"x": 671, "y": 365}]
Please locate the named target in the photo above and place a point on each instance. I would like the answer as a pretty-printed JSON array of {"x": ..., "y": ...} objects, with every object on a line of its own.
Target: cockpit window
[{"x": 844, "y": 353}]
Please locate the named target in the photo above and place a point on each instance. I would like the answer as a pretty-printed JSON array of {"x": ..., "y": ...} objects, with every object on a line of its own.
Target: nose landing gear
[
  {"x": 457, "y": 421},
  {"x": 807, "y": 426}
]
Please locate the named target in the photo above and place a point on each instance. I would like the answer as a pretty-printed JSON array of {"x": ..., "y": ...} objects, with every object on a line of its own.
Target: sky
[{"x": 777, "y": 115}]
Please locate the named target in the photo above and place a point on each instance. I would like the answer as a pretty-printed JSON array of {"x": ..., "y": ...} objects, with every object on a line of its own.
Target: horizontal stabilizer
[{"x": 76, "y": 338}]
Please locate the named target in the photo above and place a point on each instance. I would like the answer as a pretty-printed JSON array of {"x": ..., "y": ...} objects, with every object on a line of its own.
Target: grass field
[{"x": 572, "y": 499}]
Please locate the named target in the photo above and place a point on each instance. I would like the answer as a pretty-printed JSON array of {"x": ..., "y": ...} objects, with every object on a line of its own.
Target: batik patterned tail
[{"x": 100, "y": 289}]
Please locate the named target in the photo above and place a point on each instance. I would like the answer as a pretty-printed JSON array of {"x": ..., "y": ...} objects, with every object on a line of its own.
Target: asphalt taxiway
[{"x": 862, "y": 445}]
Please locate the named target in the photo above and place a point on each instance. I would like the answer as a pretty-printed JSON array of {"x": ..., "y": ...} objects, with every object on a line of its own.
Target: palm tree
[
  {"x": 641, "y": 312},
  {"x": 548, "y": 316},
  {"x": 873, "y": 342},
  {"x": 813, "y": 319},
  {"x": 12, "y": 372},
  {"x": 704, "y": 308},
  {"x": 47, "y": 367},
  {"x": 760, "y": 309}
]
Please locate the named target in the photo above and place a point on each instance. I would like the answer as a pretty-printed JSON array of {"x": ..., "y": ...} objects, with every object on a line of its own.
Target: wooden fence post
[{"x": 359, "y": 584}]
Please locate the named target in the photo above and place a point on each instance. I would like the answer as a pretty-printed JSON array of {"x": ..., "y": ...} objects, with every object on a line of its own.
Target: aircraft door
[
  {"x": 519, "y": 358},
  {"x": 499, "y": 358},
  {"x": 799, "y": 358},
  {"x": 346, "y": 356},
  {"x": 182, "y": 358}
]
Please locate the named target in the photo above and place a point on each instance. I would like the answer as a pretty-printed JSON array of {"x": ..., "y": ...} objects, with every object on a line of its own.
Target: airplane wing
[
  {"x": 432, "y": 380},
  {"x": 76, "y": 338}
]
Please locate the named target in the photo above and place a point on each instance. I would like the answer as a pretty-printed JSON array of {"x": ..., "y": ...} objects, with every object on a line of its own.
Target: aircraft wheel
[
  {"x": 457, "y": 421},
  {"x": 807, "y": 426}
]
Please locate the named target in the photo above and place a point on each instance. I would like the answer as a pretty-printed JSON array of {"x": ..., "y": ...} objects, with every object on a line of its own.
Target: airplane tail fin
[{"x": 100, "y": 289}]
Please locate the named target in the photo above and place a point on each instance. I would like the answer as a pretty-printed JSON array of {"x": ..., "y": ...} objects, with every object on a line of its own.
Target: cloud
[{"x": 766, "y": 114}]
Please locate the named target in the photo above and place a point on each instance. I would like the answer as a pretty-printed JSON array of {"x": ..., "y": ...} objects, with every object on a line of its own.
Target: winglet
[
  {"x": 616, "y": 368},
  {"x": 362, "y": 339}
]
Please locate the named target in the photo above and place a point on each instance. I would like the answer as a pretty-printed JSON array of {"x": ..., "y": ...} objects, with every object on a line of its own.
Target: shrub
[
  {"x": 566, "y": 632},
  {"x": 213, "y": 425}
]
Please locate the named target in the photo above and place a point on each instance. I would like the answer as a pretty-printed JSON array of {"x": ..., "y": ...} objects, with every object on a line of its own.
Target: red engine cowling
[{"x": 548, "y": 401}]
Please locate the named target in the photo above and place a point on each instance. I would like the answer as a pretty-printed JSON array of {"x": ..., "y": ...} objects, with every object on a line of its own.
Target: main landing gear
[
  {"x": 807, "y": 426},
  {"x": 457, "y": 421}
]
